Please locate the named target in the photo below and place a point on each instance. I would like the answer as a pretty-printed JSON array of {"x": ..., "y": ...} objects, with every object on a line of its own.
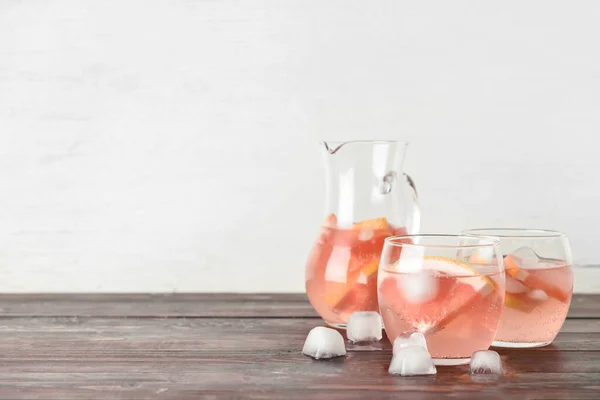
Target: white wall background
[{"x": 172, "y": 145}]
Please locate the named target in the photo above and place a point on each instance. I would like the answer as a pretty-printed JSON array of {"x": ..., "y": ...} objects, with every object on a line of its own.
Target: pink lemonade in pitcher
[
  {"x": 367, "y": 198},
  {"x": 341, "y": 271},
  {"x": 536, "y": 304},
  {"x": 454, "y": 306}
]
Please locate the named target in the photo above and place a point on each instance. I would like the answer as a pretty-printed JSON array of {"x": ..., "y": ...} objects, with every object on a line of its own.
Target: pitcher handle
[
  {"x": 414, "y": 218},
  {"x": 411, "y": 183}
]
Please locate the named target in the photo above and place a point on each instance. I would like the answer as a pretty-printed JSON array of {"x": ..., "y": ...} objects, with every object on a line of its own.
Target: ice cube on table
[
  {"x": 415, "y": 339},
  {"x": 486, "y": 362},
  {"x": 412, "y": 360},
  {"x": 324, "y": 342},
  {"x": 364, "y": 326}
]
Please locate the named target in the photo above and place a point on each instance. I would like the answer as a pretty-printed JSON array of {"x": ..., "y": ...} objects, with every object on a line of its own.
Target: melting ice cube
[
  {"x": 412, "y": 360},
  {"x": 366, "y": 234},
  {"x": 526, "y": 257},
  {"x": 486, "y": 362},
  {"x": 538, "y": 295},
  {"x": 415, "y": 339},
  {"x": 324, "y": 342},
  {"x": 364, "y": 326},
  {"x": 513, "y": 286},
  {"x": 419, "y": 287}
]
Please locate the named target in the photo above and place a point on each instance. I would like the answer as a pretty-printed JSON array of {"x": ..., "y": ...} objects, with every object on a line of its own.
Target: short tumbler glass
[
  {"x": 450, "y": 288},
  {"x": 539, "y": 285}
]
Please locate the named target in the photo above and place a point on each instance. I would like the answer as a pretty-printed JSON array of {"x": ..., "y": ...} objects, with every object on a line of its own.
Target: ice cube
[
  {"x": 484, "y": 255},
  {"x": 526, "y": 257},
  {"x": 513, "y": 286},
  {"x": 486, "y": 362},
  {"x": 366, "y": 234},
  {"x": 364, "y": 326},
  {"x": 419, "y": 287},
  {"x": 324, "y": 342},
  {"x": 412, "y": 360},
  {"x": 538, "y": 295},
  {"x": 415, "y": 339}
]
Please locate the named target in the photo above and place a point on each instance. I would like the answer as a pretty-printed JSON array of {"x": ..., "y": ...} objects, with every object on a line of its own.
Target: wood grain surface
[
  {"x": 248, "y": 346},
  {"x": 195, "y": 305}
]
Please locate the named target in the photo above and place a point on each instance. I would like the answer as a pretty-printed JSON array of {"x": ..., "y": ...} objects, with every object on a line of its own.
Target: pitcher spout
[
  {"x": 365, "y": 179},
  {"x": 332, "y": 147}
]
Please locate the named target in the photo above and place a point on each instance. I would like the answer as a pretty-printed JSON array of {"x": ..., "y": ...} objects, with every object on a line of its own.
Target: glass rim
[
  {"x": 514, "y": 233},
  {"x": 489, "y": 241}
]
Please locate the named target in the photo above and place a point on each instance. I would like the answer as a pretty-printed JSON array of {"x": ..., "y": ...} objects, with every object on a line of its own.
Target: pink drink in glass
[
  {"x": 454, "y": 304},
  {"x": 539, "y": 284},
  {"x": 536, "y": 305},
  {"x": 455, "y": 322}
]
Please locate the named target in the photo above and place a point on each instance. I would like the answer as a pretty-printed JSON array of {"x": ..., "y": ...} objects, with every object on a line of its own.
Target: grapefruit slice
[
  {"x": 330, "y": 221},
  {"x": 457, "y": 288},
  {"x": 365, "y": 239},
  {"x": 481, "y": 257},
  {"x": 362, "y": 232},
  {"x": 374, "y": 224},
  {"x": 338, "y": 299},
  {"x": 511, "y": 264},
  {"x": 512, "y": 298},
  {"x": 452, "y": 267},
  {"x": 520, "y": 303}
]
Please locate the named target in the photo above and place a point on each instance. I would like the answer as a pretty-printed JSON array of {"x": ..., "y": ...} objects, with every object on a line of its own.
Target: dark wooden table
[{"x": 248, "y": 346}]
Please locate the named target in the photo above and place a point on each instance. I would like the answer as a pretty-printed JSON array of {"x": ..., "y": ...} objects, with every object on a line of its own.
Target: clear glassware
[
  {"x": 539, "y": 285},
  {"x": 450, "y": 288},
  {"x": 368, "y": 198}
]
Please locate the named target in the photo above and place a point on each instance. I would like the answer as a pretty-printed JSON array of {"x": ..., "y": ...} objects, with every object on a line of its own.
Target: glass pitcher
[{"x": 368, "y": 198}]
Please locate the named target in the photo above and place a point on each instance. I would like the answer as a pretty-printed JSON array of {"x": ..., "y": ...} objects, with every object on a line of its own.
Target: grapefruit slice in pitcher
[
  {"x": 364, "y": 242},
  {"x": 434, "y": 296},
  {"x": 374, "y": 224},
  {"x": 339, "y": 299}
]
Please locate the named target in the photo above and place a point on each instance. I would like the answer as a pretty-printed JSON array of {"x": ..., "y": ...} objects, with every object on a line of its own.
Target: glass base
[
  {"x": 519, "y": 345},
  {"x": 451, "y": 361}
]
